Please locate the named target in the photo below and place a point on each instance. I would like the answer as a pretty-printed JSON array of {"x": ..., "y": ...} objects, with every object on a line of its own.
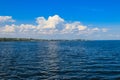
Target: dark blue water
[{"x": 60, "y": 60}]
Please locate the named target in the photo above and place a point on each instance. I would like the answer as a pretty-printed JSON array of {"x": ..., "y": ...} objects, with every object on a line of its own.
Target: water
[{"x": 60, "y": 60}]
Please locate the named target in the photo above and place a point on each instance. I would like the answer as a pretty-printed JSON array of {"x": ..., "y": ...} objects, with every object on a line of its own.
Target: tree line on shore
[{"x": 31, "y": 39}]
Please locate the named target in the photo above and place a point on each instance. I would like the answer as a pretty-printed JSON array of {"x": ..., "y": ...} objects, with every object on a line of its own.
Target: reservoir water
[{"x": 60, "y": 60}]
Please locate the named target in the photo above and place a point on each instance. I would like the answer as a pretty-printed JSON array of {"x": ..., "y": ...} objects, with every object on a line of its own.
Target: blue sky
[{"x": 95, "y": 14}]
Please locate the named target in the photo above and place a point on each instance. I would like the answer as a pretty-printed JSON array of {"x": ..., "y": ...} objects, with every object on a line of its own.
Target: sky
[{"x": 60, "y": 19}]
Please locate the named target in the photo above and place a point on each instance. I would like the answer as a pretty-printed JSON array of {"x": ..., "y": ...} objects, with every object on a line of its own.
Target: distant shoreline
[{"x": 31, "y": 39}]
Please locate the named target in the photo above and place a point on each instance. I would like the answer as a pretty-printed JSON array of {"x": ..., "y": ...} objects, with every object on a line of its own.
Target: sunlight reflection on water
[{"x": 60, "y": 60}]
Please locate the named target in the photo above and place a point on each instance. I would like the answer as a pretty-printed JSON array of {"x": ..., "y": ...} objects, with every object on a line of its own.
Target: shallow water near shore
[{"x": 60, "y": 60}]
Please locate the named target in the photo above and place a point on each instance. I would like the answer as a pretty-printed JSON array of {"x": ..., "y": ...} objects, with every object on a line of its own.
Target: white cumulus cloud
[
  {"x": 52, "y": 21},
  {"x": 54, "y": 25},
  {"x": 6, "y": 19},
  {"x": 8, "y": 28}
]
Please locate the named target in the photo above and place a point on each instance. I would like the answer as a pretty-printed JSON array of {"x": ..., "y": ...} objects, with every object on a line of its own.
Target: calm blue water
[{"x": 60, "y": 60}]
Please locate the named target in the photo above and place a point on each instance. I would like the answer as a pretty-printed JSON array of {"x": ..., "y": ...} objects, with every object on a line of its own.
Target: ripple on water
[{"x": 60, "y": 60}]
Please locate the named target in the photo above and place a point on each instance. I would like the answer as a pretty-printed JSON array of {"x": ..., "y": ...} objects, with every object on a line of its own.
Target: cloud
[
  {"x": 52, "y": 22},
  {"x": 54, "y": 25},
  {"x": 6, "y": 19},
  {"x": 9, "y": 29},
  {"x": 104, "y": 29}
]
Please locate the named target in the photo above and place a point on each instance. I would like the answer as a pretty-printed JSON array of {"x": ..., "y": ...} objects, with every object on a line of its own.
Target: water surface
[{"x": 60, "y": 60}]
